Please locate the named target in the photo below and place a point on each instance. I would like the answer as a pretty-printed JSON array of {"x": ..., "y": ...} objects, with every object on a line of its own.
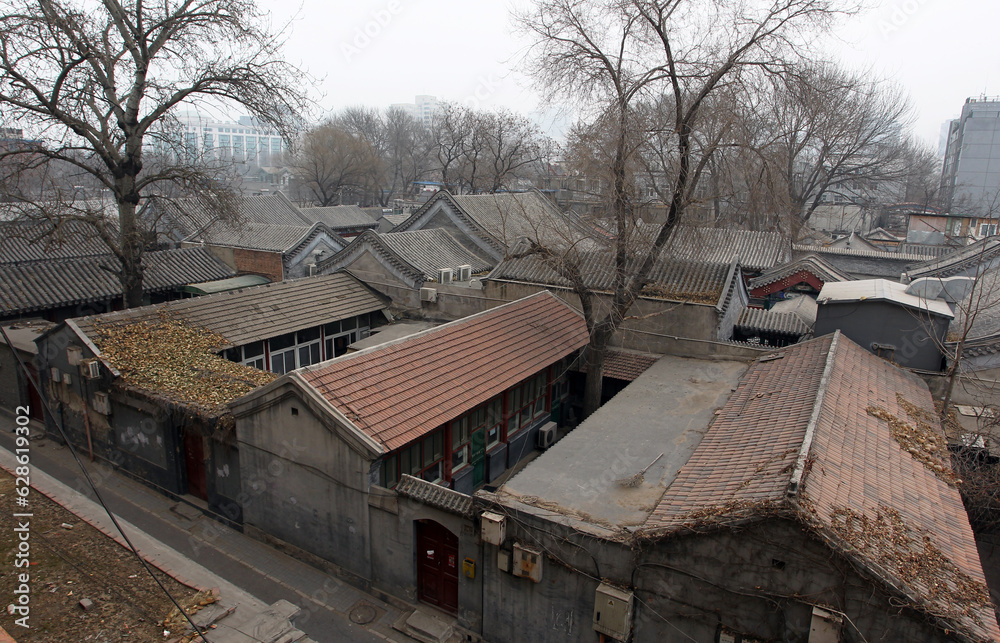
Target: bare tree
[
  {"x": 614, "y": 55},
  {"x": 330, "y": 159},
  {"x": 96, "y": 81}
]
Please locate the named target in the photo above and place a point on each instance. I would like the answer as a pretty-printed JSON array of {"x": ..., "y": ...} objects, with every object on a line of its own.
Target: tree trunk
[
  {"x": 596, "y": 353},
  {"x": 131, "y": 248}
]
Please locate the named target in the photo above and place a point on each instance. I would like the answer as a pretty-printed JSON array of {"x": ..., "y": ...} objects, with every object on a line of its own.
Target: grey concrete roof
[
  {"x": 665, "y": 410},
  {"x": 22, "y": 334},
  {"x": 880, "y": 289},
  {"x": 37, "y": 286},
  {"x": 340, "y": 217},
  {"x": 389, "y": 333},
  {"x": 261, "y": 312}
]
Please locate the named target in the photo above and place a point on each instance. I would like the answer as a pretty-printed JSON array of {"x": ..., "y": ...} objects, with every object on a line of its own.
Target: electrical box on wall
[
  {"x": 527, "y": 563},
  {"x": 74, "y": 355},
  {"x": 503, "y": 560},
  {"x": 493, "y": 528},
  {"x": 101, "y": 403},
  {"x": 613, "y": 612}
]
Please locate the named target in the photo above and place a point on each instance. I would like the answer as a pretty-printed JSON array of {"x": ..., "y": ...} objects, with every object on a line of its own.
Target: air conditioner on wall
[
  {"x": 91, "y": 369},
  {"x": 428, "y": 294},
  {"x": 464, "y": 273},
  {"x": 445, "y": 275},
  {"x": 546, "y": 435}
]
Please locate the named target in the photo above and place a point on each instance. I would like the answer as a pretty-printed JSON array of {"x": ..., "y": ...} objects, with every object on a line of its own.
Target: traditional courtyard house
[
  {"x": 862, "y": 264},
  {"x": 808, "y": 497},
  {"x": 489, "y": 225},
  {"x": 684, "y": 300},
  {"x": 16, "y": 389},
  {"x": 439, "y": 413},
  {"x": 970, "y": 261},
  {"x": 755, "y": 251},
  {"x": 146, "y": 389},
  {"x": 59, "y": 289},
  {"x": 805, "y": 275},
  {"x": 277, "y": 252},
  {"x": 401, "y": 264},
  {"x": 348, "y": 221},
  {"x": 173, "y": 220},
  {"x": 887, "y": 318}
]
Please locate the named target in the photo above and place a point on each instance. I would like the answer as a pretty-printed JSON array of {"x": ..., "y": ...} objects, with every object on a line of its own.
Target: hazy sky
[{"x": 387, "y": 51}]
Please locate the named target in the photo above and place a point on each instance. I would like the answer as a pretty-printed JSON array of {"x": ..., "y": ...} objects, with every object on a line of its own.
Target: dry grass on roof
[
  {"x": 175, "y": 359},
  {"x": 919, "y": 437},
  {"x": 912, "y": 557},
  {"x": 681, "y": 294}
]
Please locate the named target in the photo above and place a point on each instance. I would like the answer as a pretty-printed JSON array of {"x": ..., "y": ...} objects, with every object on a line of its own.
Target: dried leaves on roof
[
  {"x": 912, "y": 557},
  {"x": 919, "y": 438},
  {"x": 170, "y": 357}
]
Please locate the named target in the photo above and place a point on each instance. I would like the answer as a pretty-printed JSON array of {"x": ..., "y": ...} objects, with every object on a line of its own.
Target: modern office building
[
  {"x": 424, "y": 108},
  {"x": 245, "y": 141},
  {"x": 970, "y": 178}
]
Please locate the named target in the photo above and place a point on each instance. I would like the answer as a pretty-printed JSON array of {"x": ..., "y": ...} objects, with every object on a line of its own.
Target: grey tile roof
[
  {"x": 36, "y": 286},
  {"x": 755, "y": 250},
  {"x": 429, "y": 250},
  {"x": 23, "y": 241},
  {"x": 926, "y": 250},
  {"x": 253, "y": 236},
  {"x": 852, "y": 252},
  {"x": 435, "y": 495},
  {"x": 340, "y": 217},
  {"x": 417, "y": 254},
  {"x": 183, "y": 217},
  {"x": 759, "y": 320},
  {"x": 261, "y": 312},
  {"x": 812, "y": 264},
  {"x": 964, "y": 260},
  {"x": 699, "y": 282},
  {"x": 395, "y": 219}
]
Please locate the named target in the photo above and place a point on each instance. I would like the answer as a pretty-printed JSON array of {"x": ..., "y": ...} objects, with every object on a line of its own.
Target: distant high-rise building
[
  {"x": 245, "y": 141},
  {"x": 424, "y": 109},
  {"x": 970, "y": 177}
]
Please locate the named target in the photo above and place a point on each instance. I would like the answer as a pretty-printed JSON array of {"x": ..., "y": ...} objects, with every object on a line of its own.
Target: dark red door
[
  {"x": 35, "y": 410},
  {"x": 194, "y": 464},
  {"x": 437, "y": 565}
]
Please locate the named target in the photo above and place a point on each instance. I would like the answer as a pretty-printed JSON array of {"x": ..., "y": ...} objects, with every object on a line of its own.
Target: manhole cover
[{"x": 363, "y": 614}]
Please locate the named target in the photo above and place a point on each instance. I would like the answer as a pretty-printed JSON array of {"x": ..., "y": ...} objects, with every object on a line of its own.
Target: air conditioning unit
[
  {"x": 613, "y": 612},
  {"x": 493, "y": 528},
  {"x": 464, "y": 273},
  {"x": 547, "y": 435},
  {"x": 91, "y": 369},
  {"x": 428, "y": 294},
  {"x": 74, "y": 355},
  {"x": 527, "y": 563},
  {"x": 101, "y": 403},
  {"x": 445, "y": 275},
  {"x": 55, "y": 374}
]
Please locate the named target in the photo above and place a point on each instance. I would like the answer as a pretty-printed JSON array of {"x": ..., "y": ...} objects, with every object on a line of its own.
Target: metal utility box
[
  {"x": 613, "y": 612},
  {"x": 503, "y": 560},
  {"x": 528, "y": 563},
  {"x": 493, "y": 528}
]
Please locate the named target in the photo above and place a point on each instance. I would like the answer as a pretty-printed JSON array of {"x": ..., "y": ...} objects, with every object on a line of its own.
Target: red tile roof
[
  {"x": 399, "y": 391},
  {"x": 831, "y": 411}
]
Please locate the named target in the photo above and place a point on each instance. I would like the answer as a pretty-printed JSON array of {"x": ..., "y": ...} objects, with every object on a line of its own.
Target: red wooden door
[
  {"x": 194, "y": 465},
  {"x": 437, "y": 565}
]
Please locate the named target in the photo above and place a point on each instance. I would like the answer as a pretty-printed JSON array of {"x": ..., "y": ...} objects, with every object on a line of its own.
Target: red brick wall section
[{"x": 259, "y": 262}]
